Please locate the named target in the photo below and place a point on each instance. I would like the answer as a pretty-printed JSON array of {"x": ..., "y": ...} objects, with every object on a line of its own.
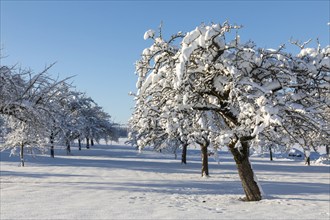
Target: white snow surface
[{"x": 117, "y": 182}]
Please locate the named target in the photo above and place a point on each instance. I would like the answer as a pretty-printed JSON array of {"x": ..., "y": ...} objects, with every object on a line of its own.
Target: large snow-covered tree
[{"x": 252, "y": 92}]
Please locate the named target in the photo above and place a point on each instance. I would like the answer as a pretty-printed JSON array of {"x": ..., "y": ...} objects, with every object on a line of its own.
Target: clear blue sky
[{"x": 99, "y": 41}]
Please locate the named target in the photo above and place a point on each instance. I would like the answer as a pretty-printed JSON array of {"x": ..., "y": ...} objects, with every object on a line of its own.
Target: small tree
[{"x": 24, "y": 135}]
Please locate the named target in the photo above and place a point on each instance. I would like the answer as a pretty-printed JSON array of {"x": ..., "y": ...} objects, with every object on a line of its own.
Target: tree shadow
[
  {"x": 4, "y": 173},
  {"x": 294, "y": 188},
  {"x": 287, "y": 166}
]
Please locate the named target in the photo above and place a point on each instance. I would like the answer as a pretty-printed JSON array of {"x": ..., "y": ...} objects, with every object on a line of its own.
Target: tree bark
[
  {"x": 245, "y": 172},
  {"x": 205, "y": 163},
  {"x": 270, "y": 153},
  {"x": 21, "y": 154},
  {"x": 79, "y": 143},
  {"x": 92, "y": 142},
  {"x": 327, "y": 148},
  {"x": 184, "y": 154},
  {"x": 87, "y": 143}
]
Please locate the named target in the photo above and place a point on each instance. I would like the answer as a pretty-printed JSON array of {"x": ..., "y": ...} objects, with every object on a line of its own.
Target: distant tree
[
  {"x": 103, "y": 127},
  {"x": 121, "y": 130},
  {"x": 81, "y": 117}
]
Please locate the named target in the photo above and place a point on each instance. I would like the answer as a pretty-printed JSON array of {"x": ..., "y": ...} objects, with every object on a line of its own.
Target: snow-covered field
[{"x": 116, "y": 182}]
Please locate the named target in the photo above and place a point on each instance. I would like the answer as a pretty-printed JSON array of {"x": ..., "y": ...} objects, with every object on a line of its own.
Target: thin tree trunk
[
  {"x": 184, "y": 154},
  {"x": 79, "y": 143},
  {"x": 87, "y": 143},
  {"x": 92, "y": 142},
  {"x": 205, "y": 164},
  {"x": 21, "y": 154},
  {"x": 245, "y": 171},
  {"x": 68, "y": 148},
  {"x": 307, "y": 154},
  {"x": 270, "y": 153},
  {"x": 52, "y": 151},
  {"x": 327, "y": 148}
]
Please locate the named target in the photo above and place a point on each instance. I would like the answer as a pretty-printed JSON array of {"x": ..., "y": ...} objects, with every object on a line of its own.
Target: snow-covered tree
[
  {"x": 99, "y": 124},
  {"x": 26, "y": 102},
  {"x": 25, "y": 135},
  {"x": 80, "y": 117},
  {"x": 156, "y": 120},
  {"x": 253, "y": 92},
  {"x": 155, "y": 93}
]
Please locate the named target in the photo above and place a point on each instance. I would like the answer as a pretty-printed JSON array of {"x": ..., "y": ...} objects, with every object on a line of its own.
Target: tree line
[
  {"x": 206, "y": 87},
  {"x": 38, "y": 111}
]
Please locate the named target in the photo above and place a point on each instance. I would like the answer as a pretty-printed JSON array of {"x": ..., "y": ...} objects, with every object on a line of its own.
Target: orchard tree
[
  {"x": 251, "y": 91},
  {"x": 59, "y": 117},
  {"x": 25, "y": 135},
  {"x": 72, "y": 117},
  {"x": 100, "y": 125},
  {"x": 154, "y": 96},
  {"x": 156, "y": 119},
  {"x": 24, "y": 93},
  {"x": 26, "y": 102}
]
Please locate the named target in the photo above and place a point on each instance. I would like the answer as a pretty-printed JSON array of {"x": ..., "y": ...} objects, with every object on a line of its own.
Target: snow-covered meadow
[{"x": 117, "y": 182}]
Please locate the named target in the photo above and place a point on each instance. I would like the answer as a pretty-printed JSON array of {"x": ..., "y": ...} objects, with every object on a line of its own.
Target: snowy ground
[{"x": 116, "y": 182}]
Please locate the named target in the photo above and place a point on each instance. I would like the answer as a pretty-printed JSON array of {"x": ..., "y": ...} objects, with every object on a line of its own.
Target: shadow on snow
[{"x": 124, "y": 157}]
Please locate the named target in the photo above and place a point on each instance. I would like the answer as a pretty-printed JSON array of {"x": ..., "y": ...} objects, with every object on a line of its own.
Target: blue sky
[{"x": 99, "y": 41}]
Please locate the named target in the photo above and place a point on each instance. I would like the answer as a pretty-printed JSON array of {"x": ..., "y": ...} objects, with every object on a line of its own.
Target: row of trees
[
  {"x": 205, "y": 88},
  {"x": 37, "y": 111}
]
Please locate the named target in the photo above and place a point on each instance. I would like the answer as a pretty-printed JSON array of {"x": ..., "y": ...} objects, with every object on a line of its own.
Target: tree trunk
[
  {"x": 52, "y": 152},
  {"x": 270, "y": 153},
  {"x": 307, "y": 154},
  {"x": 79, "y": 143},
  {"x": 205, "y": 163},
  {"x": 87, "y": 143},
  {"x": 184, "y": 154},
  {"x": 21, "y": 155},
  {"x": 68, "y": 148},
  {"x": 92, "y": 142},
  {"x": 245, "y": 171},
  {"x": 327, "y": 148}
]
